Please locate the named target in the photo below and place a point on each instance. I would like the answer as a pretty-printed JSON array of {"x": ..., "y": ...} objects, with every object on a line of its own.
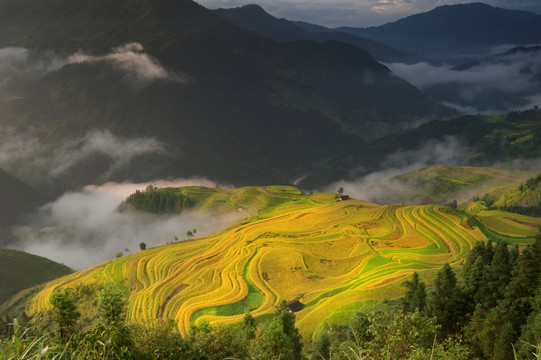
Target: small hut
[{"x": 294, "y": 306}]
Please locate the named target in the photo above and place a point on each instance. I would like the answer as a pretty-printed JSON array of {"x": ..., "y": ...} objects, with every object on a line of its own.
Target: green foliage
[
  {"x": 280, "y": 339},
  {"x": 415, "y": 298},
  {"x": 142, "y": 246},
  {"x": 322, "y": 347},
  {"x": 217, "y": 342},
  {"x": 64, "y": 313},
  {"x": 358, "y": 329},
  {"x": 494, "y": 327},
  {"x": 112, "y": 303},
  {"x": 444, "y": 301},
  {"x": 496, "y": 276}
]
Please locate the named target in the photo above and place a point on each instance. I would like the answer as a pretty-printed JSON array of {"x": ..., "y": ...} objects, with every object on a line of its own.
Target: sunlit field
[{"x": 333, "y": 256}]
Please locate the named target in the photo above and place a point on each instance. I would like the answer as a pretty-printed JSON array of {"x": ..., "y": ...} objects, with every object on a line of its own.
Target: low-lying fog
[{"x": 84, "y": 228}]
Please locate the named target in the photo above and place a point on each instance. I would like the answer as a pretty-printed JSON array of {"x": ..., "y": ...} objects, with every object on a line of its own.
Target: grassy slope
[
  {"x": 524, "y": 194},
  {"x": 491, "y": 139},
  {"x": 331, "y": 255},
  {"x": 442, "y": 181},
  {"x": 20, "y": 270}
]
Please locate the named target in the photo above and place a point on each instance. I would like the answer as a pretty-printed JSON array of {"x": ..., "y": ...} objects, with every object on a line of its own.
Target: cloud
[
  {"x": 25, "y": 148},
  {"x": 119, "y": 150},
  {"x": 84, "y": 228},
  {"x": 131, "y": 59},
  {"x": 17, "y": 59},
  {"x": 382, "y": 187},
  {"x": 491, "y": 80},
  {"x": 12, "y": 58}
]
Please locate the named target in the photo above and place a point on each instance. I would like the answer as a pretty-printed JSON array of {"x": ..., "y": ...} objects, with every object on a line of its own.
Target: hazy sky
[{"x": 358, "y": 13}]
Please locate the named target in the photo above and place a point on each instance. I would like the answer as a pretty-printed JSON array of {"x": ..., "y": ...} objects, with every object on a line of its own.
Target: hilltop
[
  {"x": 332, "y": 255},
  {"x": 250, "y": 199},
  {"x": 21, "y": 271}
]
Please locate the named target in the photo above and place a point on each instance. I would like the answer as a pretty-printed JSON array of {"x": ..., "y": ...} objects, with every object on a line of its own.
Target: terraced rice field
[{"x": 333, "y": 256}]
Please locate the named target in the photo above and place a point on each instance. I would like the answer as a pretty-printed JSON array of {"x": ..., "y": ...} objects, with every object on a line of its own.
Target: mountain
[
  {"x": 255, "y": 18},
  {"x": 18, "y": 200},
  {"x": 331, "y": 255},
  {"x": 454, "y": 30},
  {"x": 139, "y": 89},
  {"x": 20, "y": 270},
  {"x": 478, "y": 140}
]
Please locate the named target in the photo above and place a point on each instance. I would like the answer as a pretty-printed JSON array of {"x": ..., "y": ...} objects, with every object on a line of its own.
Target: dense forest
[
  {"x": 492, "y": 313},
  {"x": 159, "y": 202}
]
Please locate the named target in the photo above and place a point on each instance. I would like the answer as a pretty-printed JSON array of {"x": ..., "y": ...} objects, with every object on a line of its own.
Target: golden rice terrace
[{"x": 330, "y": 255}]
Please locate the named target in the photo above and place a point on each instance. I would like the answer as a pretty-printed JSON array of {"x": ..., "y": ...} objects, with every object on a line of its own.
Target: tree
[
  {"x": 112, "y": 303},
  {"x": 340, "y": 191},
  {"x": 189, "y": 234},
  {"x": 65, "y": 313},
  {"x": 395, "y": 336},
  {"x": 248, "y": 327},
  {"x": 280, "y": 339},
  {"x": 444, "y": 301},
  {"x": 496, "y": 276},
  {"x": 322, "y": 347},
  {"x": 358, "y": 328},
  {"x": 142, "y": 246},
  {"x": 217, "y": 342},
  {"x": 415, "y": 298},
  {"x": 531, "y": 331}
]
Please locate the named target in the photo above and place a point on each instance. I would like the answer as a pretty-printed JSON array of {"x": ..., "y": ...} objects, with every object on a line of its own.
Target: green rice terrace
[
  {"x": 332, "y": 255},
  {"x": 441, "y": 182}
]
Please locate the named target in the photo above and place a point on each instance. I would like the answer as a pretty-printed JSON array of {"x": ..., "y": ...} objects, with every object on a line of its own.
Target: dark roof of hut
[{"x": 294, "y": 305}]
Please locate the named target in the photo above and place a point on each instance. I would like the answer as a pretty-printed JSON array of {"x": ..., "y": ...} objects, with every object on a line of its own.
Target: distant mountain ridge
[
  {"x": 451, "y": 30},
  {"x": 255, "y": 18}
]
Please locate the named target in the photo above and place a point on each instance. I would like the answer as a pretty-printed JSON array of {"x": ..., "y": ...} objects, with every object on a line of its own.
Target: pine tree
[
  {"x": 65, "y": 313},
  {"x": 503, "y": 349},
  {"x": 496, "y": 277},
  {"x": 444, "y": 301},
  {"x": 415, "y": 298},
  {"x": 531, "y": 332}
]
